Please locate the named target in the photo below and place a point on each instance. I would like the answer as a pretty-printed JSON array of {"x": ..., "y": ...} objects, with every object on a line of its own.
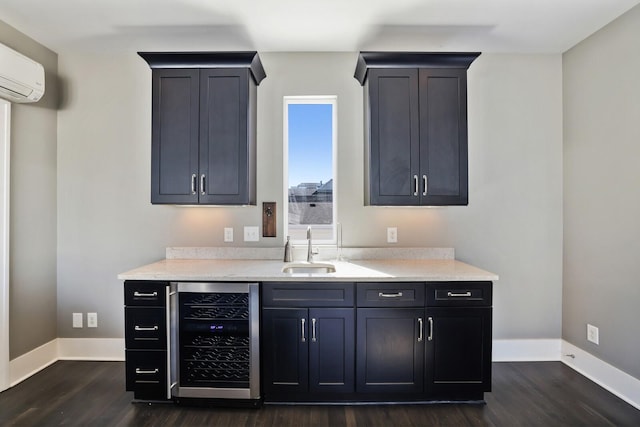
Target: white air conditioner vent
[{"x": 21, "y": 79}]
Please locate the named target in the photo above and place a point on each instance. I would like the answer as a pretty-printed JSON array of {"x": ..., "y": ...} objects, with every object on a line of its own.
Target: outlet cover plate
[
  {"x": 92, "y": 320},
  {"x": 392, "y": 234},
  {"x": 251, "y": 234},
  {"x": 228, "y": 234},
  {"x": 593, "y": 334},
  {"x": 77, "y": 320}
]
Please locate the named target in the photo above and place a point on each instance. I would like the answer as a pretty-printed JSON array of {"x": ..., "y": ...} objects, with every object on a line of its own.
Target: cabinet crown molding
[
  {"x": 367, "y": 60},
  {"x": 250, "y": 60}
]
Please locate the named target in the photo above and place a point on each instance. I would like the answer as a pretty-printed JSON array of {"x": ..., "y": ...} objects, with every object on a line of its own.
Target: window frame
[{"x": 311, "y": 99}]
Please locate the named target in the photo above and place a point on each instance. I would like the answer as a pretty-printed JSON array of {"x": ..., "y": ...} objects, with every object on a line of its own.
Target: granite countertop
[{"x": 257, "y": 270}]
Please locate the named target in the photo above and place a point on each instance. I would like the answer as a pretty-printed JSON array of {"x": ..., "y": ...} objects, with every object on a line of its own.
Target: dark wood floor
[{"x": 525, "y": 394}]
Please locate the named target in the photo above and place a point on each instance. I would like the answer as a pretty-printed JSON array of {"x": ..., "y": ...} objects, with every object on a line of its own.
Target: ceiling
[{"x": 540, "y": 26}]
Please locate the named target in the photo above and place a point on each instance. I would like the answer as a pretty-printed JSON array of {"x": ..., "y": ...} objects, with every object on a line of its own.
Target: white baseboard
[
  {"x": 105, "y": 349},
  {"x": 32, "y": 362},
  {"x": 607, "y": 376},
  {"x": 536, "y": 350}
]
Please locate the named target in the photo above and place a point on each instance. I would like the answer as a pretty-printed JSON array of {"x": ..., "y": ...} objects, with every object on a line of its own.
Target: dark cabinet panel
[
  {"x": 285, "y": 350},
  {"x": 391, "y": 294},
  {"x": 146, "y": 327},
  {"x": 394, "y": 146},
  {"x": 146, "y": 374},
  {"x": 307, "y": 351},
  {"x": 146, "y": 357},
  {"x": 459, "y": 349},
  {"x": 203, "y": 127},
  {"x": 443, "y": 137},
  {"x": 174, "y": 135},
  {"x": 390, "y": 350},
  {"x": 225, "y": 146},
  {"x": 331, "y": 350},
  {"x": 308, "y": 294},
  {"x": 416, "y": 153}
]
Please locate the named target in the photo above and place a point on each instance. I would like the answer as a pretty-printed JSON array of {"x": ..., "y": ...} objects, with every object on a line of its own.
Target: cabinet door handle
[
  {"x": 146, "y": 328},
  {"x": 202, "y": 182},
  {"x": 145, "y": 295},
  {"x": 415, "y": 185},
  {"x": 303, "y": 321},
  {"x": 194, "y": 179},
  {"x": 146, "y": 372},
  {"x": 424, "y": 185},
  {"x": 389, "y": 295},
  {"x": 430, "y": 337},
  {"x": 457, "y": 295},
  {"x": 313, "y": 330},
  {"x": 421, "y": 329}
]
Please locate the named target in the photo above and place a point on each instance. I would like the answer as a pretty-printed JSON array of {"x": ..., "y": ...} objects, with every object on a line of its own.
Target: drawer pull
[
  {"x": 146, "y": 372},
  {"x": 455, "y": 295},
  {"x": 389, "y": 295},
  {"x": 146, "y": 328},
  {"x": 145, "y": 295}
]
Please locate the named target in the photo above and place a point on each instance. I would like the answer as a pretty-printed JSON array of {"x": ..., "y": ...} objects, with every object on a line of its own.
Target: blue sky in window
[{"x": 310, "y": 153}]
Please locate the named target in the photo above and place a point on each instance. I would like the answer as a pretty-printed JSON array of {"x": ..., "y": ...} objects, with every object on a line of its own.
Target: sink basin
[{"x": 309, "y": 268}]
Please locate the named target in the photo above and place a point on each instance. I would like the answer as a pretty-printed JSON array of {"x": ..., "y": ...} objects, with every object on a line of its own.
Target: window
[{"x": 309, "y": 167}]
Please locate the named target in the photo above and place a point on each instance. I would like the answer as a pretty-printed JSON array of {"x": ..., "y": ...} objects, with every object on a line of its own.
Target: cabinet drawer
[
  {"x": 390, "y": 294},
  {"x": 145, "y": 327},
  {"x": 145, "y": 293},
  {"x": 146, "y": 374},
  {"x": 313, "y": 294},
  {"x": 459, "y": 294}
]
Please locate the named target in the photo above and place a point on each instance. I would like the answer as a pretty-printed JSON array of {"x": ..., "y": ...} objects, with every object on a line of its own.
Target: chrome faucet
[{"x": 310, "y": 252}]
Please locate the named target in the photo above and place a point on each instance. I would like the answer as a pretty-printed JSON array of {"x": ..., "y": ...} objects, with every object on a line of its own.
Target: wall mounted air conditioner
[{"x": 21, "y": 79}]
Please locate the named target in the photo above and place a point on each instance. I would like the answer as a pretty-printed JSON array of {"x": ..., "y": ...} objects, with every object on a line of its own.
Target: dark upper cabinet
[
  {"x": 203, "y": 147},
  {"x": 416, "y": 151}
]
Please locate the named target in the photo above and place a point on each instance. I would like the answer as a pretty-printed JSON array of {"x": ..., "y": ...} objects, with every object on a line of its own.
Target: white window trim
[
  {"x": 311, "y": 99},
  {"x": 5, "y": 124}
]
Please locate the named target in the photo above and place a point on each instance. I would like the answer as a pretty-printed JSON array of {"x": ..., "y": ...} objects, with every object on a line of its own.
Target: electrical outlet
[
  {"x": 593, "y": 334},
  {"x": 92, "y": 320},
  {"x": 251, "y": 234},
  {"x": 228, "y": 234},
  {"x": 392, "y": 235},
  {"x": 77, "y": 320}
]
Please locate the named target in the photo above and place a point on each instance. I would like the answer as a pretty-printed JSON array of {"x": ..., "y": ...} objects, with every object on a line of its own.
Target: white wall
[
  {"x": 602, "y": 197},
  {"x": 512, "y": 225},
  {"x": 32, "y": 289}
]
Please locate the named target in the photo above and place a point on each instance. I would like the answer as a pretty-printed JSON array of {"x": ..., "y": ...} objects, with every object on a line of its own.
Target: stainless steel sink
[{"x": 309, "y": 268}]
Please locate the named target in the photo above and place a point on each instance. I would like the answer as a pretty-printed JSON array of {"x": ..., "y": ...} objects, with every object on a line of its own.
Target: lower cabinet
[
  {"x": 308, "y": 332},
  {"x": 394, "y": 342},
  {"x": 146, "y": 363},
  {"x": 390, "y": 350},
  {"x": 458, "y": 350},
  {"x": 308, "y": 350}
]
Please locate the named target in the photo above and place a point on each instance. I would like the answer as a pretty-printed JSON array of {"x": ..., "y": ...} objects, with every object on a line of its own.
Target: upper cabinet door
[
  {"x": 174, "y": 136},
  {"x": 443, "y": 137},
  {"x": 394, "y": 137},
  {"x": 225, "y": 148},
  {"x": 416, "y": 150},
  {"x": 203, "y": 127}
]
